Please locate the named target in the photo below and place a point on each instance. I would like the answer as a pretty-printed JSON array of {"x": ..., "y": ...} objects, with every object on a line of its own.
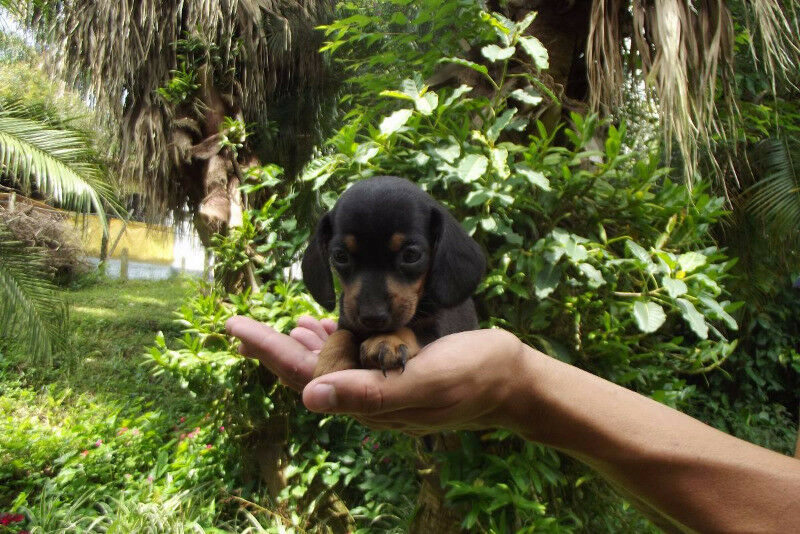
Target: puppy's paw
[{"x": 389, "y": 351}]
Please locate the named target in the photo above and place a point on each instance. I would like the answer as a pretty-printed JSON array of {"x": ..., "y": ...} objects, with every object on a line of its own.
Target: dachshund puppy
[{"x": 407, "y": 269}]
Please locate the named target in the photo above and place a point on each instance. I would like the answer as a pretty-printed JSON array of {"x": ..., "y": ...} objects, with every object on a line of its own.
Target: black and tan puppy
[{"x": 407, "y": 270}]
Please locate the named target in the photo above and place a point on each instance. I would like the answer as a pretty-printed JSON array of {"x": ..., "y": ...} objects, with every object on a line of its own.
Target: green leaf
[
  {"x": 471, "y": 167},
  {"x": 394, "y": 122},
  {"x": 465, "y": 63},
  {"x": 695, "y": 319},
  {"x": 448, "y": 153},
  {"x": 500, "y": 124},
  {"x": 690, "y": 261},
  {"x": 499, "y": 161},
  {"x": 536, "y": 178},
  {"x": 534, "y": 48},
  {"x": 649, "y": 316},
  {"x": 638, "y": 252},
  {"x": 593, "y": 275},
  {"x": 495, "y": 53},
  {"x": 365, "y": 152},
  {"x": 396, "y": 94},
  {"x": 458, "y": 93},
  {"x": 575, "y": 252},
  {"x": 675, "y": 288},
  {"x": 522, "y": 25},
  {"x": 427, "y": 103},
  {"x": 720, "y": 312},
  {"x": 526, "y": 96},
  {"x": 488, "y": 223},
  {"x": 475, "y": 198},
  {"x": 547, "y": 280}
]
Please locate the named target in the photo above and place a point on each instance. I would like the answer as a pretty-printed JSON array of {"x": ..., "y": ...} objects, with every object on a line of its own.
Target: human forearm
[{"x": 700, "y": 478}]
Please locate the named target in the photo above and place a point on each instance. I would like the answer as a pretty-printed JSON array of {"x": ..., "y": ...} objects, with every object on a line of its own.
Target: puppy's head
[{"x": 392, "y": 246}]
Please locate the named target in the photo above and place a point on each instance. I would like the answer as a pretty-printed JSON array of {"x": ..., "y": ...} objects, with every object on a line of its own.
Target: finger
[
  {"x": 329, "y": 325},
  {"x": 287, "y": 358},
  {"x": 309, "y": 339},
  {"x": 368, "y": 392},
  {"x": 314, "y": 325}
]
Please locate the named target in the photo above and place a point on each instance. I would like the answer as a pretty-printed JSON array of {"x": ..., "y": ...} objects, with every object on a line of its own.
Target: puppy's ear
[
  {"x": 316, "y": 269},
  {"x": 458, "y": 263}
]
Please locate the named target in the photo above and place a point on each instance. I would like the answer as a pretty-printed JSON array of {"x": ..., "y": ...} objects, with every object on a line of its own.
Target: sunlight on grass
[{"x": 95, "y": 312}]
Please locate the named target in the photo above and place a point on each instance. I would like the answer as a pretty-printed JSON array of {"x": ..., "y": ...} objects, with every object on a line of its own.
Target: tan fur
[
  {"x": 404, "y": 297},
  {"x": 394, "y": 347},
  {"x": 339, "y": 352},
  {"x": 396, "y": 241},
  {"x": 350, "y": 243},
  {"x": 350, "y": 293}
]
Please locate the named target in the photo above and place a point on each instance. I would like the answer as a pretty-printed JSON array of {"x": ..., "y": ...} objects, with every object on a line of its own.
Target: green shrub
[{"x": 597, "y": 257}]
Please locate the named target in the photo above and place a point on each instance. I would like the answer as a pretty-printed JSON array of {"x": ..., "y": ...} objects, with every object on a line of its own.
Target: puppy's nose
[{"x": 374, "y": 320}]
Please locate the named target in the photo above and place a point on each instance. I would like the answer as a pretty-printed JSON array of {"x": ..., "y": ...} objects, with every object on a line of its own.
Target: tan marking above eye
[
  {"x": 350, "y": 243},
  {"x": 396, "y": 241}
]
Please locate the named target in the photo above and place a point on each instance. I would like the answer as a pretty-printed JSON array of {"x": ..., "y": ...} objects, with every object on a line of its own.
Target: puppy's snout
[{"x": 374, "y": 319}]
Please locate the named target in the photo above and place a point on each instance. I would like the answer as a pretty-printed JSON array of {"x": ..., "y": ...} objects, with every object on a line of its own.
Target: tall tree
[{"x": 184, "y": 83}]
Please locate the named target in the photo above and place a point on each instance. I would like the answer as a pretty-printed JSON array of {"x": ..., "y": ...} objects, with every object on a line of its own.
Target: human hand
[
  {"x": 291, "y": 358},
  {"x": 465, "y": 380}
]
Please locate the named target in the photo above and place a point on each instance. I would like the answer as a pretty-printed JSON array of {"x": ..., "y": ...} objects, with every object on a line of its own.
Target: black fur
[{"x": 372, "y": 211}]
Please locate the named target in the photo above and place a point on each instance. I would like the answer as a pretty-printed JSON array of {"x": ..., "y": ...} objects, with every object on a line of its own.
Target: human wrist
[
  {"x": 543, "y": 407},
  {"x": 522, "y": 408}
]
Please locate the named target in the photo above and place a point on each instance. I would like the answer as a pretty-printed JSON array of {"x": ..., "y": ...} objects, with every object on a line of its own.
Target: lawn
[{"x": 95, "y": 426}]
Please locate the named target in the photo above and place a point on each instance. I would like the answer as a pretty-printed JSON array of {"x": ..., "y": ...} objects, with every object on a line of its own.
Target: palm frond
[
  {"x": 775, "y": 196},
  {"x": 56, "y": 161},
  {"x": 30, "y": 308}
]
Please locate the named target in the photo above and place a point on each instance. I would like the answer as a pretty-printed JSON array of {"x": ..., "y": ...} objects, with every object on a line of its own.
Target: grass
[{"x": 97, "y": 428}]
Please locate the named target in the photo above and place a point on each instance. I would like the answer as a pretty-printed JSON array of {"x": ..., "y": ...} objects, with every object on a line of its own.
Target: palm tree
[
  {"x": 200, "y": 92},
  {"x": 58, "y": 164}
]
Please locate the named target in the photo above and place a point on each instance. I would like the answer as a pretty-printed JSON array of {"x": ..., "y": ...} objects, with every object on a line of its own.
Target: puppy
[{"x": 407, "y": 269}]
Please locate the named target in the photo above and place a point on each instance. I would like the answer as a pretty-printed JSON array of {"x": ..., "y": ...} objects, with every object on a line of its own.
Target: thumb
[{"x": 367, "y": 392}]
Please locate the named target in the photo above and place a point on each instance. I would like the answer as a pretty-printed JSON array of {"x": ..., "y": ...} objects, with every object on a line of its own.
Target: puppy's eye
[
  {"x": 411, "y": 255},
  {"x": 340, "y": 257}
]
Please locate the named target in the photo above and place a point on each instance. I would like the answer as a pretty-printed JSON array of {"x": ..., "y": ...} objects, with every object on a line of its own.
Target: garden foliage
[{"x": 597, "y": 257}]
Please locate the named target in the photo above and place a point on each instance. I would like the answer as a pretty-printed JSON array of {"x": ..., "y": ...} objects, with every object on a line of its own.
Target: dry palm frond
[
  {"x": 121, "y": 52},
  {"x": 683, "y": 52}
]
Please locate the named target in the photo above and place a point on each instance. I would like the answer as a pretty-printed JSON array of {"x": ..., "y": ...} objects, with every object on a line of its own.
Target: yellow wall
[{"x": 151, "y": 244}]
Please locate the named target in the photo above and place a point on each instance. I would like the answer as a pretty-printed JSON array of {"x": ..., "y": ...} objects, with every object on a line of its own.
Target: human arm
[{"x": 690, "y": 474}]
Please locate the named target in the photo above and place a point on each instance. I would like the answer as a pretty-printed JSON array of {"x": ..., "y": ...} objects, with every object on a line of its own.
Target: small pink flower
[
  {"x": 208, "y": 446},
  {"x": 365, "y": 440},
  {"x": 122, "y": 430},
  {"x": 375, "y": 446},
  {"x": 150, "y": 478},
  {"x": 135, "y": 431},
  {"x": 84, "y": 453},
  {"x": 183, "y": 437},
  {"x": 98, "y": 442},
  {"x": 222, "y": 428},
  {"x": 182, "y": 419}
]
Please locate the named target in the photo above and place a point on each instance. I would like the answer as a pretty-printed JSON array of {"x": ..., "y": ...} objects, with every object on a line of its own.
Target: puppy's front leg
[
  {"x": 339, "y": 352},
  {"x": 389, "y": 351}
]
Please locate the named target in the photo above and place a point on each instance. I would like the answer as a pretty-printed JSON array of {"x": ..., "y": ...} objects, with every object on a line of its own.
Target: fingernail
[{"x": 321, "y": 398}]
